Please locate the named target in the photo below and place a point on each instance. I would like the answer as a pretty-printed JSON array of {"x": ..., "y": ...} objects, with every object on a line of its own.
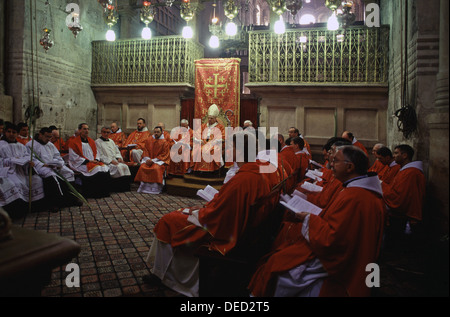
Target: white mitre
[{"x": 213, "y": 110}]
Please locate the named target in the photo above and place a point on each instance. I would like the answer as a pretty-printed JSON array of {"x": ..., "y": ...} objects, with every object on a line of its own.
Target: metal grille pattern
[
  {"x": 164, "y": 60},
  {"x": 313, "y": 56}
]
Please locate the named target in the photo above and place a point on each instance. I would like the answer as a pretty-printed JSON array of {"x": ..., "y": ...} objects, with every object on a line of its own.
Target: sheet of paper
[
  {"x": 298, "y": 204},
  {"x": 311, "y": 187}
]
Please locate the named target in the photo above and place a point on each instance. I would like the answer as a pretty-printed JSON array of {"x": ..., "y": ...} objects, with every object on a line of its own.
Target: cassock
[
  {"x": 405, "y": 195},
  {"x": 212, "y": 149},
  {"x": 95, "y": 177},
  {"x": 118, "y": 138},
  {"x": 387, "y": 175},
  {"x": 181, "y": 151},
  {"x": 57, "y": 192},
  {"x": 314, "y": 258},
  {"x": 14, "y": 184},
  {"x": 218, "y": 225},
  {"x": 137, "y": 138},
  {"x": 152, "y": 177}
]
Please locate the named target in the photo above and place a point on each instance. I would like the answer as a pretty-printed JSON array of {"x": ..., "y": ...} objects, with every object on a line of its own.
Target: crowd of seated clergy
[
  {"x": 337, "y": 218},
  {"x": 324, "y": 245}
]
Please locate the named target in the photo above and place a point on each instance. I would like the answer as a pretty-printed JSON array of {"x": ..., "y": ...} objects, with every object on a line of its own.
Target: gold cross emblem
[{"x": 216, "y": 85}]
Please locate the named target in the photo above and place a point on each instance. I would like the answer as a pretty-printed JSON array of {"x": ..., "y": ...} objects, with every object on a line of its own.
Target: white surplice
[
  {"x": 108, "y": 152},
  {"x": 51, "y": 156},
  {"x": 15, "y": 157},
  {"x": 76, "y": 161}
]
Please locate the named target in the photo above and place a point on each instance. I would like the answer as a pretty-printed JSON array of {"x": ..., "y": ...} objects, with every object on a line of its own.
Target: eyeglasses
[{"x": 334, "y": 161}]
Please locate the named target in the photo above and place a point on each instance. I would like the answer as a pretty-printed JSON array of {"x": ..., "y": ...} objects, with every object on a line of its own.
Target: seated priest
[
  {"x": 117, "y": 135},
  {"x": 85, "y": 159},
  {"x": 57, "y": 141},
  {"x": 219, "y": 224},
  {"x": 404, "y": 196},
  {"x": 167, "y": 134},
  {"x": 51, "y": 167},
  {"x": 155, "y": 159},
  {"x": 385, "y": 157},
  {"x": 180, "y": 152},
  {"x": 327, "y": 254},
  {"x": 135, "y": 143},
  {"x": 297, "y": 143},
  {"x": 14, "y": 180},
  {"x": 349, "y": 136},
  {"x": 209, "y": 144},
  {"x": 23, "y": 135},
  {"x": 110, "y": 155}
]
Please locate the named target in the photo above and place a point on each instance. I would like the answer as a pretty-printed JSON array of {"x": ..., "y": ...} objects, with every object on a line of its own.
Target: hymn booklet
[
  {"x": 207, "y": 193},
  {"x": 298, "y": 204}
]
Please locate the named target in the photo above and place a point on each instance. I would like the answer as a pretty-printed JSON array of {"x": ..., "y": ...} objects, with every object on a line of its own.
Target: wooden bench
[{"x": 27, "y": 260}]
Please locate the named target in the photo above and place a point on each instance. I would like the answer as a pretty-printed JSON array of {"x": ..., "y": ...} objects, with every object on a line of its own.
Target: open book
[
  {"x": 298, "y": 204},
  {"x": 207, "y": 193},
  {"x": 311, "y": 187},
  {"x": 312, "y": 175}
]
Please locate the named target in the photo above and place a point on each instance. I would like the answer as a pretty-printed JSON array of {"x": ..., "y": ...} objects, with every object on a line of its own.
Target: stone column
[
  {"x": 6, "y": 102},
  {"x": 438, "y": 124},
  {"x": 442, "y": 77}
]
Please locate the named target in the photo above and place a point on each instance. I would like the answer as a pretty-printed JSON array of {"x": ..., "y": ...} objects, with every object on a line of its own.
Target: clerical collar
[
  {"x": 354, "y": 179},
  {"x": 84, "y": 140},
  {"x": 106, "y": 140},
  {"x": 118, "y": 131}
]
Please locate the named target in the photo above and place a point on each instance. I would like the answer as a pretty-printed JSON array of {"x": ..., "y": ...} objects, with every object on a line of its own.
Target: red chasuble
[
  {"x": 76, "y": 146},
  {"x": 387, "y": 175},
  {"x": 406, "y": 193},
  {"x": 199, "y": 164},
  {"x": 181, "y": 167},
  {"x": 345, "y": 237},
  {"x": 377, "y": 167},
  {"x": 225, "y": 218},
  {"x": 60, "y": 145},
  {"x": 154, "y": 149},
  {"x": 137, "y": 138},
  {"x": 118, "y": 138},
  {"x": 304, "y": 163},
  {"x": 328, "y": 194}
]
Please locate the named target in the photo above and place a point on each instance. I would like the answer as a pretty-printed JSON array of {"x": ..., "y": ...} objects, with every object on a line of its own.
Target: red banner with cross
[{"x": 217, "y": 81}]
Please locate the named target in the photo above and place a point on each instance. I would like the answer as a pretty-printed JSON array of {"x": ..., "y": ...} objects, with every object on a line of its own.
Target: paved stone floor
[{"x": 115, "y": 234}]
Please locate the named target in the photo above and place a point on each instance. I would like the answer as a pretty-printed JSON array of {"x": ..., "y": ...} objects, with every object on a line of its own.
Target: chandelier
[
  {"x": 343, "y": 19},
  {"x": 147, "y": 14},
  {"x": 111, "y": 18}
]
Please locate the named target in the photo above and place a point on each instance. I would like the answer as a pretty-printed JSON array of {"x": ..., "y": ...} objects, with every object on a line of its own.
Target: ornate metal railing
[
  {"x": 319, "y": 56},
  {"x": 164, "y": 60}
]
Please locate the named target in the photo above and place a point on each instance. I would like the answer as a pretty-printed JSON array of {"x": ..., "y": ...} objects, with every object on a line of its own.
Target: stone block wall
[{"x": 59, "y": 79}]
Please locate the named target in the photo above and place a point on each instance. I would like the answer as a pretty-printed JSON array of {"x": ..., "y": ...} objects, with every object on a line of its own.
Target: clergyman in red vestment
[
  {"x": 155, "y": 159},
  {"x": 219, "y": 224},
  {"x": 327, "y": 254},
  {"x": 208, "y": 143}
]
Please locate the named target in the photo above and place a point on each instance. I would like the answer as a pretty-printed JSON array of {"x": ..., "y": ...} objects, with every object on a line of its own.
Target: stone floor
[{"x": 115, "y": 234}]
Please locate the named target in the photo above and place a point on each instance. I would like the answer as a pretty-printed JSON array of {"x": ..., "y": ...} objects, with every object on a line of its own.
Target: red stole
[{"x": 77, "y": 147}]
